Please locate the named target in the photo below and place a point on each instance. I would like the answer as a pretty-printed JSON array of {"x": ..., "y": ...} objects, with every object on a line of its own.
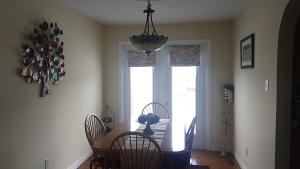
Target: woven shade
[
  {"x": 140, "y": 59},
  {"x": 184, "y": 55}
]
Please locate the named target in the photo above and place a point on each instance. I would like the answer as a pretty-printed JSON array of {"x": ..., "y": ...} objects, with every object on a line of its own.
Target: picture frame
[{"x": 247, "y": 51}]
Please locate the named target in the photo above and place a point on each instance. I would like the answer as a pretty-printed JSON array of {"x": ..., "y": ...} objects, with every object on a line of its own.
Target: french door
[{"x": 180, "y": 88}]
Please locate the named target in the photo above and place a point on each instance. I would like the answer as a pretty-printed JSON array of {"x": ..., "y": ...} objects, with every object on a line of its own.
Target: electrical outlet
[
  {"x": 247, "y": 152},
  {"x": 46, "y": 163}
]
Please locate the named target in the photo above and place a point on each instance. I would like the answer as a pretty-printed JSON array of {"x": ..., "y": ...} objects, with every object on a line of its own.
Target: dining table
[{"x": 172, "y": 137}]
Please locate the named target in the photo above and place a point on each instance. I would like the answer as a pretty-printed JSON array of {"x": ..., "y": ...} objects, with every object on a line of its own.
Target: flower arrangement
[{"x": 149, "y": 119}]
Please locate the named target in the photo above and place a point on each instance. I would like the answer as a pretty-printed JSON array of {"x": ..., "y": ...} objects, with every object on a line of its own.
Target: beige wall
[
  {"x": 34, "y": 128},
  {"x": 221, "y": 34},
  {"x": 255, "y": 109}
]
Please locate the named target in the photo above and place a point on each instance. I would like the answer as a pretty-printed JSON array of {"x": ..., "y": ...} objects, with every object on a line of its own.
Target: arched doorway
[
  {"x": 288, "y": 73},
  {"x": 295, "y": 112}
]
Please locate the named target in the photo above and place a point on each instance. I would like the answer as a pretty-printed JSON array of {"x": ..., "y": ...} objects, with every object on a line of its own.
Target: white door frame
[{"x": 205, "y": 51}]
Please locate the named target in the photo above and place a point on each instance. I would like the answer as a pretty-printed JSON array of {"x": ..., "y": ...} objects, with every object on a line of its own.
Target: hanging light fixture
[{"x": 148, "y": 42}]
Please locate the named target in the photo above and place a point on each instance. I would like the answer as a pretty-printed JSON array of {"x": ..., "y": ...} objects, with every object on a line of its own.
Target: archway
[
  {"x": 286, "y": 46},
  {"x": 295, "y": 112}
]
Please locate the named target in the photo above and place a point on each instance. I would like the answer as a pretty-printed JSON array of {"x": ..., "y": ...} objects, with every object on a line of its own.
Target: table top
[{"x": 173, "y": 139}]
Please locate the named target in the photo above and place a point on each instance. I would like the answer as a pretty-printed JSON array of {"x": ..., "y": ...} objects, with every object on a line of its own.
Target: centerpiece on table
[{"x": 148, "y": 119}]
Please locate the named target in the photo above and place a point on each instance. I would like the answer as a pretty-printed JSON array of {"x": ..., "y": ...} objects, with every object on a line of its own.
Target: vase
[{"x": 148, "y": 130}]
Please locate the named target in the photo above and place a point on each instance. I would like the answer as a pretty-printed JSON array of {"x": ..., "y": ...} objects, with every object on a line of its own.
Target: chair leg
[{"x": 91, "y": 165}]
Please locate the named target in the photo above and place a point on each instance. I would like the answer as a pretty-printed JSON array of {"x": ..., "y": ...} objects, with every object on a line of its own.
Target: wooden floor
[{"x": 212, "y": 159}]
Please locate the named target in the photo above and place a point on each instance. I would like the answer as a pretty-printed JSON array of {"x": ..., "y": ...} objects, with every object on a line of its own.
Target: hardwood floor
[{"x": 212, "y": 159}]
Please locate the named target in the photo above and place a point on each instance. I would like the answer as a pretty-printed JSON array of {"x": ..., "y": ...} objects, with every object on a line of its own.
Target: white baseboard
[
  {"x": 80, "y": 161},
  {"x": 239, "y": 160}
]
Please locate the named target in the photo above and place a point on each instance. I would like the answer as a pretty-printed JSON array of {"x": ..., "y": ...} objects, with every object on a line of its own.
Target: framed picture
[{"x": 247, "y": 52}]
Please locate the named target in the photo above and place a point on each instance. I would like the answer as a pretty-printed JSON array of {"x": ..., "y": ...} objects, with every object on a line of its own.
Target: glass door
[
  {"x": 141, "y": 89},
  {"x": 184, "y": 93},
  {"x": 187, "y": 99}
]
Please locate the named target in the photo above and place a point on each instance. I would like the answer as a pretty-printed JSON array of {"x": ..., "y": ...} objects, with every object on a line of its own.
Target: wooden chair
[
  {"x": 181, "y": 160},
  {"x": 190, "y": 135},
  {"x": 94, "y": 130},
  {"x": 158, "y": 109},
  {"x": 135, "y": 150}
]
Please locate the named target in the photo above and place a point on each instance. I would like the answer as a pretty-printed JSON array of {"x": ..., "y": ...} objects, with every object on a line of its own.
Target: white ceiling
[{"x": 166, "y": 11}]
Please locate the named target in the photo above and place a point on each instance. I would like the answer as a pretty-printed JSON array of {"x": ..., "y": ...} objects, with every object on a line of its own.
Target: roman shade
[
  {"x": 184, "y": 55},
  {"x": 140, "y": 59}
]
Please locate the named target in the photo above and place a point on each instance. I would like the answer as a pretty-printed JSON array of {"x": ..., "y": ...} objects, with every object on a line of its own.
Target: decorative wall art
[
  {"x": 247, "y": 52},
  {"x": 42, "y": 57}
]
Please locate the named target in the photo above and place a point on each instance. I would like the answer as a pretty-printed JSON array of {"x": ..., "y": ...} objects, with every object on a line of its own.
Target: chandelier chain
[
  {"x": 148, "y": 42},
  {"x": 154, "y": 31},
  {"x": 149, "y": 12}
]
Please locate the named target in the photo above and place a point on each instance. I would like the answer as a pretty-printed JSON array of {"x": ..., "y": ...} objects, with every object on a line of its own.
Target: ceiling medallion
[{"x": 147, "y": 42}]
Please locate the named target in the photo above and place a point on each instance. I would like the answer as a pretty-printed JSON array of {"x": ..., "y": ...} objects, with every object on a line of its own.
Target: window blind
[
  {"x": 140, "y": 59},
  {"x": 184, "y": 55}
]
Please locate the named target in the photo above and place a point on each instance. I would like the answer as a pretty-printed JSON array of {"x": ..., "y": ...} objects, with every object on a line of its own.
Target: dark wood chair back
[
  {"x": 157, "y": 109},
  {"x": 135, "y": 150},
  {"x": 94, "y": 129},
  {"x": 181, "y": 160},
  {"x": 190, "y": 135}
]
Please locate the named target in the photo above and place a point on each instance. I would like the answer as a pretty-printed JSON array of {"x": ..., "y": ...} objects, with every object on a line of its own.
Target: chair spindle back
[{"x": 136, "y": 151}]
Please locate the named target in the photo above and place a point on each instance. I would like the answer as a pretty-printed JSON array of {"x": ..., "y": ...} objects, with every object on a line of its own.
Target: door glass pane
[
  {"x": 141, "y": 89},
  {"x": 184, "y": 93}
]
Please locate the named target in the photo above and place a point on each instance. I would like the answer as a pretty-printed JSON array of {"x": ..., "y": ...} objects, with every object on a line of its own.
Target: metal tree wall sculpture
[{"x": 42, "y": 57}]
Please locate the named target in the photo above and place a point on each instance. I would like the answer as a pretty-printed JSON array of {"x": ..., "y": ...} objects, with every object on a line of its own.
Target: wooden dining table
[{"x": 173, "y": 139}]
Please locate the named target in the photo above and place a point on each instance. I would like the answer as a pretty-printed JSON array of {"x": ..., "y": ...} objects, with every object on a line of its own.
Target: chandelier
[{"x": 148, "y": 42}]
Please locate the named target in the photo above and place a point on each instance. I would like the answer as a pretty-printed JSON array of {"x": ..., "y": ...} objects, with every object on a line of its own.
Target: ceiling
[{"x": 167, "y": 11}]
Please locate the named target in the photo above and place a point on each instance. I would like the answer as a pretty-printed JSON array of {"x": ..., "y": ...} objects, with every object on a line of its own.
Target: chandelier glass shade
[{"x": 148, "y": 42}]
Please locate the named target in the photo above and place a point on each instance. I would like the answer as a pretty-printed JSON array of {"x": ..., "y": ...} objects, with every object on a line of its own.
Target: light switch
[{"x": 267, "y": 85}]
